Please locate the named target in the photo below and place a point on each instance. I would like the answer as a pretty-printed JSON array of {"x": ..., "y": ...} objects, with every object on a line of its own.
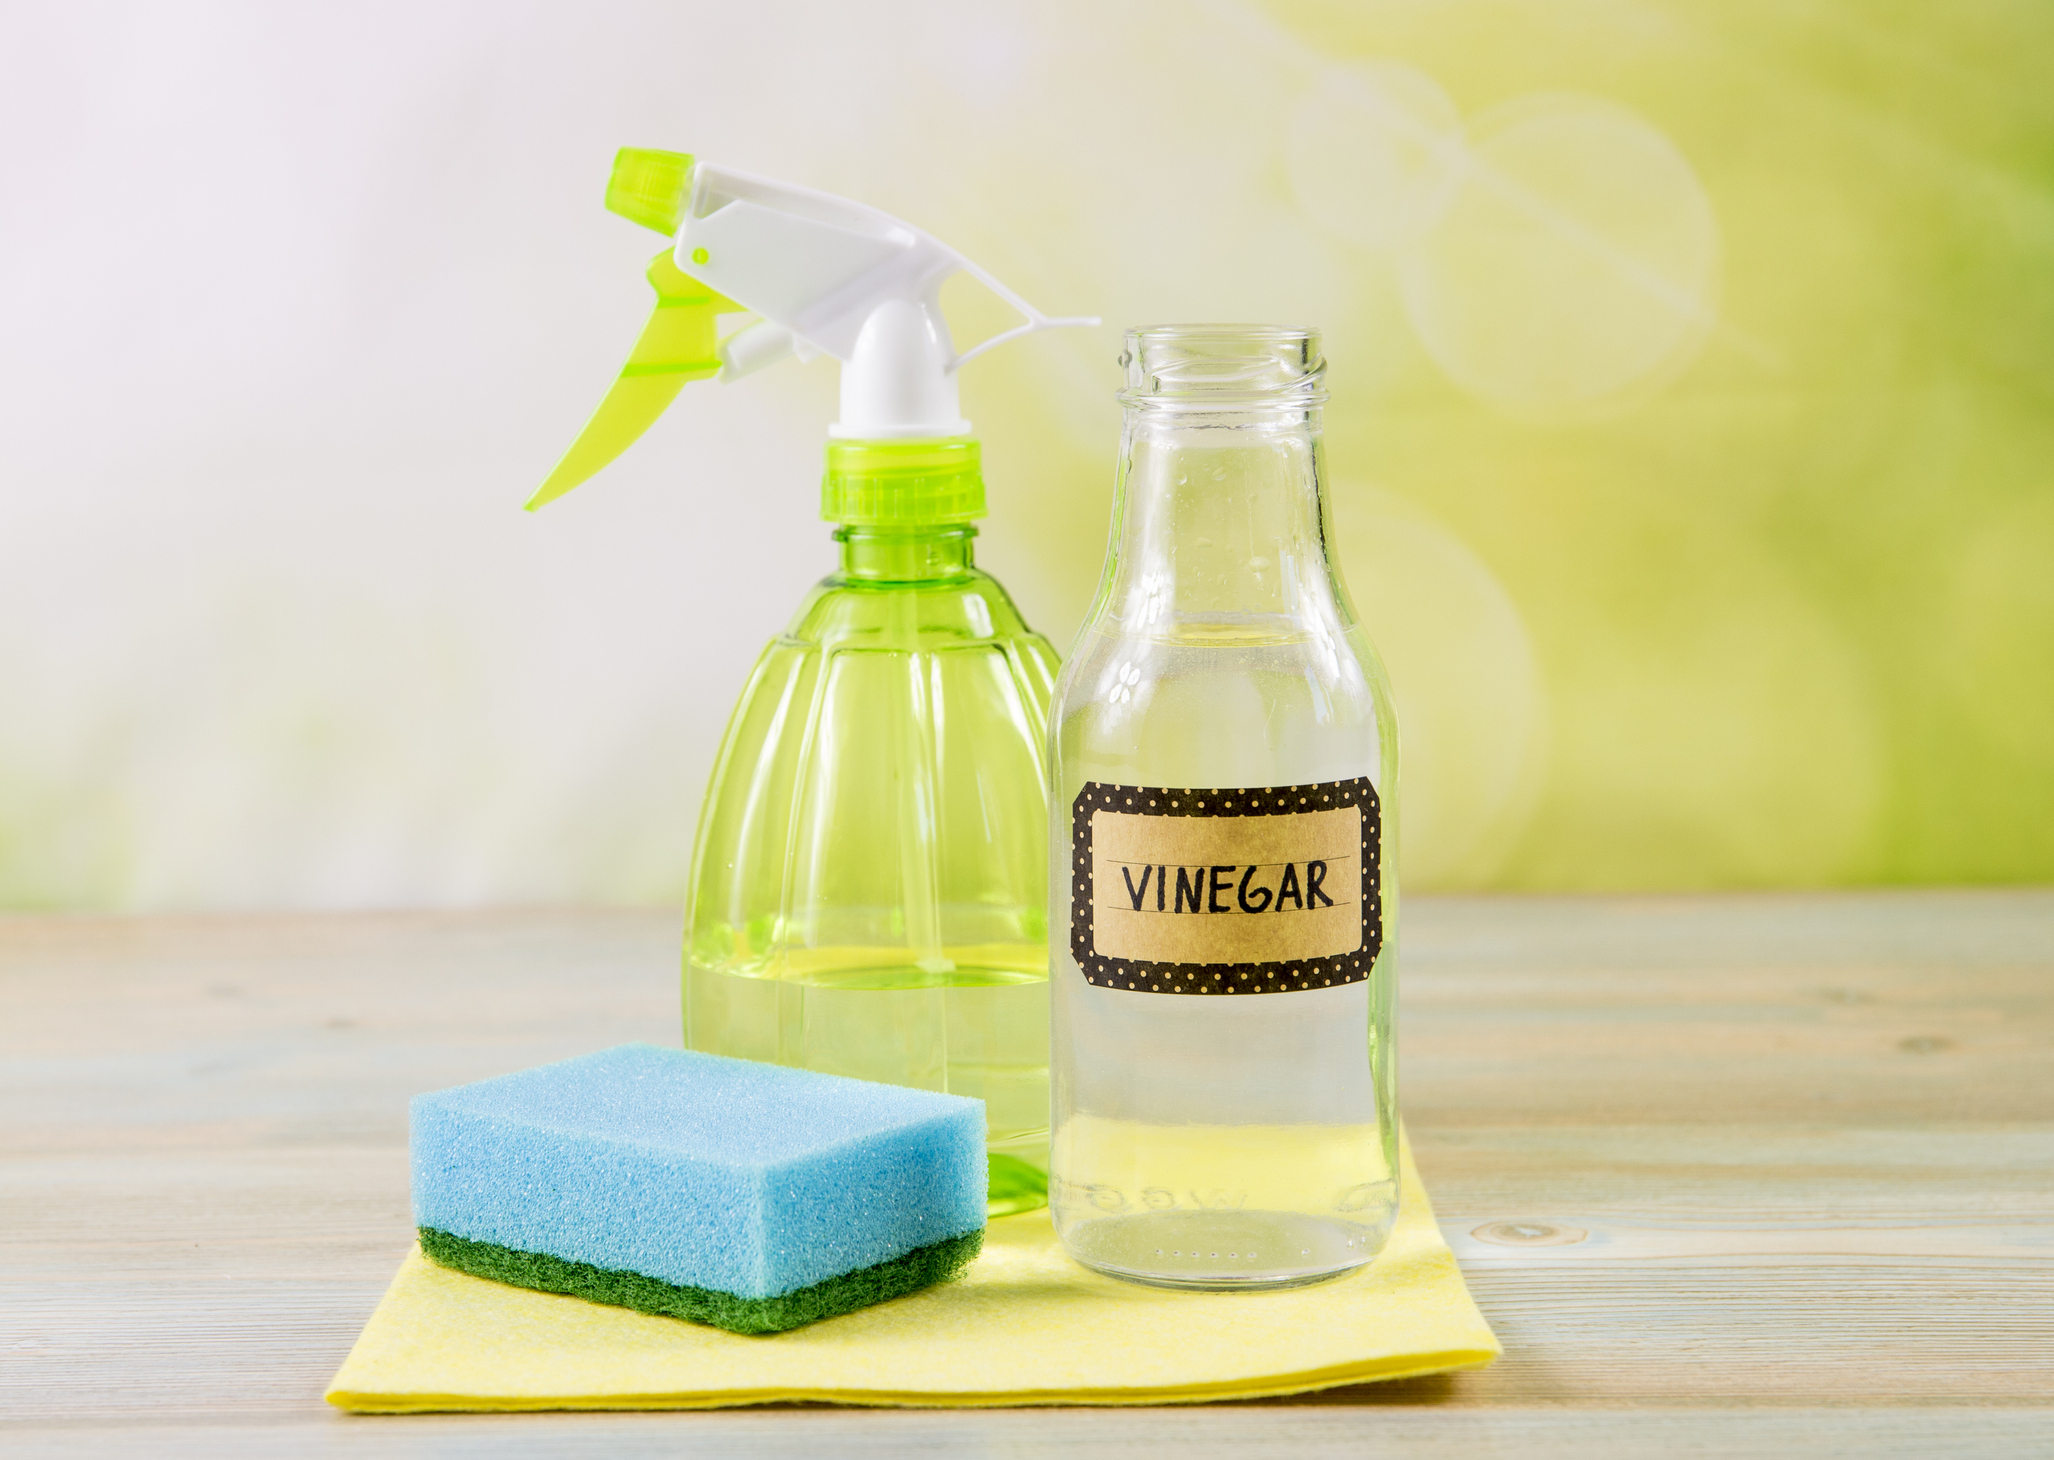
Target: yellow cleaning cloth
[{"x": 1024, "y": 1325}]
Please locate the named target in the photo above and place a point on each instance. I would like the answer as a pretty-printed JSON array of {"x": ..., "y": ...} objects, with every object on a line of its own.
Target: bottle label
[{"x": 1240, "y": 891}]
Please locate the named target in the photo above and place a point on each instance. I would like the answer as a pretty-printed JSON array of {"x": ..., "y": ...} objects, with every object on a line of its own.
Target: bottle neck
[
  {"x": 1220, "y": 523},
  {"x": 906, "y": 554}
]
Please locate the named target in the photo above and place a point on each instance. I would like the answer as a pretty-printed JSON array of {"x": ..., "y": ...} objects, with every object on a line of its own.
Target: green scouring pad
[
  {"x": 921, "y": 1268},
  {"x": 752, "y": 1197}
]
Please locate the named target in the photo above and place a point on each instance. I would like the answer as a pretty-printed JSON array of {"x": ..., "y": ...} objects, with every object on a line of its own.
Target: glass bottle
[
  {"x": 868, "y": 888},
  {"x": 1225, "y": 768}
]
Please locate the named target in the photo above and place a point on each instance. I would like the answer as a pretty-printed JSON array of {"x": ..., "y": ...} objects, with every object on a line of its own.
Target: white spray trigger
[{"x": 832, "y": 276}]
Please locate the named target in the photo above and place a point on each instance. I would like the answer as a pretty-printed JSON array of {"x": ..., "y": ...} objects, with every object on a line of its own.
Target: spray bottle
[{"x": 867, "y": 893}]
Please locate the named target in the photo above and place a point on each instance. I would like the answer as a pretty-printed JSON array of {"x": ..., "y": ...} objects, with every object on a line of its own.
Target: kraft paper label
[{"x": 1268, "y": 890}]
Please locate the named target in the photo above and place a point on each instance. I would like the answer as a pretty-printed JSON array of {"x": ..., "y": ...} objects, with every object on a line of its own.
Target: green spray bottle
[{"x": 868, "y": 885}]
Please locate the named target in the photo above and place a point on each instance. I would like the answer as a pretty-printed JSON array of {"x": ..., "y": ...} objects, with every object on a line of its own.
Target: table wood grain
[{"x": 1741, "y": 1175}]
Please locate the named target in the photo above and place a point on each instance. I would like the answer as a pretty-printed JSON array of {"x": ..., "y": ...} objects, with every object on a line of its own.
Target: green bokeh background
[
  {"x": 1791, "y": 610},
  {"x": 1773, "y": 607}
]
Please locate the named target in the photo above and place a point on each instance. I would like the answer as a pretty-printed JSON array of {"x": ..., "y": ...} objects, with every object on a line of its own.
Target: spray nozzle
[
  {"x": 649, "y": 187},
  {"x": 826, "y": 276}
]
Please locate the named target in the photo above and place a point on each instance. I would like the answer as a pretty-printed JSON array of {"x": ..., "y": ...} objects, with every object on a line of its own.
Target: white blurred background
[
  {"x": 1688, "y": 411},
  {"x": 301, "y": 302}
]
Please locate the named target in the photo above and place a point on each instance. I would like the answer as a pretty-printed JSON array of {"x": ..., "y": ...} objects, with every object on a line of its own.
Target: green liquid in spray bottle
[{"x": 868, "y": 891}]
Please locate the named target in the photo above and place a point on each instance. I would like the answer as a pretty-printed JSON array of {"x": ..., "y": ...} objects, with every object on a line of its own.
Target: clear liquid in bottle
[{"x": 1225, "y": 762}]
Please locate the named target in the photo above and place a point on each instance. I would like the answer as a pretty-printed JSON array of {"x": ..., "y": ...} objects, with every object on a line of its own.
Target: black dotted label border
[{"x": 1296, "y": 976}]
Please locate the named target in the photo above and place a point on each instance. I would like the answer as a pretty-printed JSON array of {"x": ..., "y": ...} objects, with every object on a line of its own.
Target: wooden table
[{"x": 1767, "y": 1175}]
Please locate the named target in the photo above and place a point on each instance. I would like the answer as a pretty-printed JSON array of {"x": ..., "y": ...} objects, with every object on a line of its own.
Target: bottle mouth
[{"x": 1223, "y": 366}]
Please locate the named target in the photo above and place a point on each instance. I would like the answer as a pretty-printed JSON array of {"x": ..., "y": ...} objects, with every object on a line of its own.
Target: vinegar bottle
[{"x": 1225, "y": 770}]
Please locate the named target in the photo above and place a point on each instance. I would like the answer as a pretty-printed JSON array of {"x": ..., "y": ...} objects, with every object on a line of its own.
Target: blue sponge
[{"x": 718, "y": 1189}]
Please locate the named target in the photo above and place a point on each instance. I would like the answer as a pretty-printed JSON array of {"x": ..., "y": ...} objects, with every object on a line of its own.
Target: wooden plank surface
[{"x": 1761, "y": 1175}]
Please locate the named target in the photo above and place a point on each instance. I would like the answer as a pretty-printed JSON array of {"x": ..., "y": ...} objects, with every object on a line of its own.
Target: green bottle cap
[
  {"x": 650, "y": 187},
  {"x": 890, "y": 483}
]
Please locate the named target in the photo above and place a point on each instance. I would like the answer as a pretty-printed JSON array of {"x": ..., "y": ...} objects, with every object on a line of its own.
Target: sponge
[{"x": 745, "y": 1195}]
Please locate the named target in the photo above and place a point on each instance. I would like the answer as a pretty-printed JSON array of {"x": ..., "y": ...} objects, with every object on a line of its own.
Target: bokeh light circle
[
  {"x": 1574, "y": 266},
  {"x": 1373, "y": 150},
  {"x": 1472, "y": 711}
]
